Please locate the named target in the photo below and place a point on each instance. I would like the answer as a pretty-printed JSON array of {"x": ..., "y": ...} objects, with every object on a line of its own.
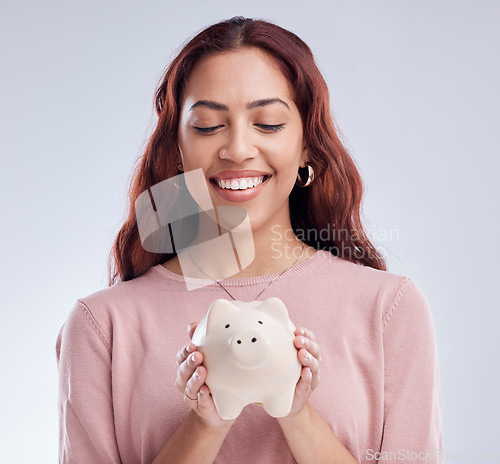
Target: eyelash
[{"x": 273, "y": 128}]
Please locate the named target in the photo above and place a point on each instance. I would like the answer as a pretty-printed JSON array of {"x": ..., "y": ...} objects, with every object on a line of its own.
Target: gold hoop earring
[
  {"x": 179, "y": 155},
  {"x": 310, "y": 177}
]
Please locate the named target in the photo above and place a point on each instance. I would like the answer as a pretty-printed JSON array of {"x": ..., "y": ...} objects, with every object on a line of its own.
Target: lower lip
[{"x": 240, "y": 195}]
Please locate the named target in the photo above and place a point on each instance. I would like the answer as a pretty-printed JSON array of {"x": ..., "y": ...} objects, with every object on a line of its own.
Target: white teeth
[{"x": 241, "y": 184}]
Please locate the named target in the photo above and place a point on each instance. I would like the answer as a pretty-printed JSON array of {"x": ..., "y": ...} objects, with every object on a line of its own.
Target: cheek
[
  {"x": 193, "y": 162},
  {"x": 195, "y": 150},
  {"x": 286, "y": 162},
  {"x": 289, "y": 152},
  {"x": 196, "y": 157}
]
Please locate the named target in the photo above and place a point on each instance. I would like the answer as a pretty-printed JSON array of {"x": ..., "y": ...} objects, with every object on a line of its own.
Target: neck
[{"x": 276, "y": 248}]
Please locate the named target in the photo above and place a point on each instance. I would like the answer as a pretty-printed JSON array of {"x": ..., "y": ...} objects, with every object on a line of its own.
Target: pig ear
[
  {"x": 220, "y": 310},
  {"x": 276, "y": 308}
]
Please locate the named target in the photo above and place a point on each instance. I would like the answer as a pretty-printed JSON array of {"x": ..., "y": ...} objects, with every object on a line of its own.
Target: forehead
[{"x": 236, "y": 78}]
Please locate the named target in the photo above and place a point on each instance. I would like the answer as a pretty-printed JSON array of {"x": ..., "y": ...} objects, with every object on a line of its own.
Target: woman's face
[{"x": 242, "y": 103}]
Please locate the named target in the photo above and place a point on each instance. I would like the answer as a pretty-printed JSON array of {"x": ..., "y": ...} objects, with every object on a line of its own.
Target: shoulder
[
  {"x": 387, "y": 291},
  {"x": 103, "y": 308},
  {"x": 355, "y": 275},
  {"x": 409, "y": 312}
]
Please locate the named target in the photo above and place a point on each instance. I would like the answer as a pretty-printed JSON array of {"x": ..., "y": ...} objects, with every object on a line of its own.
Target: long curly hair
[{"x": 331, "y": 203}]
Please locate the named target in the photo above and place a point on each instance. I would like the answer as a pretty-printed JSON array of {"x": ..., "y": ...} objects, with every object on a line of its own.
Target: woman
[{"x": 245, "y": 105}]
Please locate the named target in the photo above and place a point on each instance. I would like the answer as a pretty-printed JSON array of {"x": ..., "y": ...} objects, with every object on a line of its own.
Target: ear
[
  {"x": 304, "y": 157},
  {"x": 277, "y": 309},
  {"x": 220, "y": 310},
  {"x": 180, "y": 157}
]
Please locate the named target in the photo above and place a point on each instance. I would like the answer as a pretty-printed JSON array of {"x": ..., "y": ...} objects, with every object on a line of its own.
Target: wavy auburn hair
[{"x": 330, "y": 204}]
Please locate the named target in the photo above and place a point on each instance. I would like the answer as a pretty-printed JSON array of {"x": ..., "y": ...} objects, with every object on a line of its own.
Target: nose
[
  {"x": 249, "y": 347},
  {"x": 240, "y": 146}
]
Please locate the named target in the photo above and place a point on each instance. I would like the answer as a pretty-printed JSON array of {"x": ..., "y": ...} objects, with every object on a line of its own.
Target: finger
[
  {"x": 304, "y": 383},
  {"x": 187, "y": 368},
  {"x": 306, "y": 332},
  {"x": 206, "y": 405},
  {"x": 184, "y": 353},
  {"x": 193, "y": 385},
  {"x": 307, "y": 360},
  {"x": 191, "y": 328},
  {"x": 311, "y": 363},
  {"x": 311, "y": 346},
  {"x": 203, "y": 398}
]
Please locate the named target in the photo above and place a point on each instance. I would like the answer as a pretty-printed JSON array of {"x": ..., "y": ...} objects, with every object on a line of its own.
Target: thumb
[{"x": 191, "y": 328}]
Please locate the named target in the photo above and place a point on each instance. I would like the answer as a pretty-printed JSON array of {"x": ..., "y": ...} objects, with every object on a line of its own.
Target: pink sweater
[{"x": 379, "y": 388}]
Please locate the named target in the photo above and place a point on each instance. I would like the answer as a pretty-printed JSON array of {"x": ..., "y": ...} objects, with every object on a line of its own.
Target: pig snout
[{"x": 249, "y": 347}]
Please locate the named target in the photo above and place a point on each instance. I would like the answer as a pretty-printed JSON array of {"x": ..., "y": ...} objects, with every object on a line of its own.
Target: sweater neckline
[{"x": 244, "y": 281}]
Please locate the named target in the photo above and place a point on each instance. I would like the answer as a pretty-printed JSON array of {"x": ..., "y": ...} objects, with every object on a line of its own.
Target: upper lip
[{"x": 233, "y": 174}]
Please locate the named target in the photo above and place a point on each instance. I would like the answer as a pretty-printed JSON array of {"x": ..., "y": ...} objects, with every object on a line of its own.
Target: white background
[{"x": 414, "y": 90}]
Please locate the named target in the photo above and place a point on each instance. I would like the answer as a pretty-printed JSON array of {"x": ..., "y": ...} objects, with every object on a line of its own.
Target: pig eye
[
  {"x": 227, "y": 325},
  {"x": 260, "y": 322}
]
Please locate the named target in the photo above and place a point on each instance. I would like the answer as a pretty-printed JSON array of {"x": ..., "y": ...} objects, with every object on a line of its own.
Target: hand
[
  {"x": 190, "y": 381},
  {"x": 309, "y": 355}
]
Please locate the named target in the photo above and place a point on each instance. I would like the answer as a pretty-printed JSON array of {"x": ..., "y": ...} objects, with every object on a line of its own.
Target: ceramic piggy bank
[{"x": 249, "y": 355}]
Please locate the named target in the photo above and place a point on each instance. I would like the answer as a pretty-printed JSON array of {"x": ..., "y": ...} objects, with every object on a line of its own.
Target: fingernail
[
  {"x": 196, "y": 375},
  {"x": 302, "y": 332},
  {"x": 193, "y": 359},
  {"x": 302, "y": 341},
  {"x": 188, "y": 349},
  {"x": 308, "y": 356}
]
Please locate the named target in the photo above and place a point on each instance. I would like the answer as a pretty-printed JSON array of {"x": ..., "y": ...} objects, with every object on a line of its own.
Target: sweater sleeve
[
  {"x": 412, "y": 430},
  {"x": 85, "y": 408}
]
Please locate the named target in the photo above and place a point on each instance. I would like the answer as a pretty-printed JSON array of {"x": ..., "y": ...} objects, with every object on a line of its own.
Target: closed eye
[
  {"x": 274, "y": 128},
  {"x": 267, "y": 127},
  {"x": 204, "y": 130}
]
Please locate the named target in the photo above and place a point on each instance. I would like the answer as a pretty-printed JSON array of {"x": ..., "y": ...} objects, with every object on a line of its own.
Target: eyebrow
[{"x": 221, "y": 107}]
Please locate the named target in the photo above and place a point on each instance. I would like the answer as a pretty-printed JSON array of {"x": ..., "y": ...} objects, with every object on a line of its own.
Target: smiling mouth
[{"x": 241, "y": 183}]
